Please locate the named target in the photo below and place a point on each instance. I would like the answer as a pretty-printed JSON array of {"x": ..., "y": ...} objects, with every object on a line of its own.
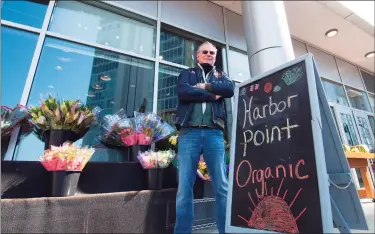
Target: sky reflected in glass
[
  {"x": 30, "y": 13},
  {"x": 15, "y": 68}
]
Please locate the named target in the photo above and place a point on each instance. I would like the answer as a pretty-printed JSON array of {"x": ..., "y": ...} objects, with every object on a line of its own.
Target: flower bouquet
[
  {"x": 56, "y": 122},
  {"x": 151, "y": 128},
  {"x": 67, "y": 157},
  {"x": 152, "y": 160},
  {"x": 118, "y": 130},
  {"x": 13, "y": 118},
  {"x": 173, "y": 140},
  {"x": 202, "y": 170},
  {"x": 19, "y": 116}
]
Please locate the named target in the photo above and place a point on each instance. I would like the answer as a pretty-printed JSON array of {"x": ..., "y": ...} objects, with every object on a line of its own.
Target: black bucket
[
  {"x": 58, "y": 137},
  {"x": 155, "y": 178},
  {"x": 64, "y": 183}
]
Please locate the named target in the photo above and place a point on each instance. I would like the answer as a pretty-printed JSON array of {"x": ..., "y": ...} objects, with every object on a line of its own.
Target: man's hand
[
  {"x": 200, "y": 86},
  {"x": 217, "y": 97}
]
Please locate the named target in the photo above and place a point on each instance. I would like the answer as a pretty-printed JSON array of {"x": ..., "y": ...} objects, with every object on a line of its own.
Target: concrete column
[{"x": 267, "y": 35}]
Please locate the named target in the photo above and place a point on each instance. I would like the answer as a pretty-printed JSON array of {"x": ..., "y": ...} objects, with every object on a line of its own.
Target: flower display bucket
[
  {"x": 58, "y": 137},
  {"x": 4, "y": 146},
  {"x": 64, "y": 183},
  {"x": 155, "y": 178}
]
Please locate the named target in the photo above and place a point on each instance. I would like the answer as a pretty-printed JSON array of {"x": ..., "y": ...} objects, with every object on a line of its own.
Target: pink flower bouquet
[
  {"x": 67, "y": 157},
  {"x": 144, "y": 137}
]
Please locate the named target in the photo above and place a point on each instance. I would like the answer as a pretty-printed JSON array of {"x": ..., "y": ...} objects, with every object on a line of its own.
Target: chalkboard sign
[{"x": 278, "y": 180}]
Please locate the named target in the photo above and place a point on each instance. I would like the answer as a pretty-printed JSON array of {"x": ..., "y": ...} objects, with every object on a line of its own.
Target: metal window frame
[
  {"x": 226, "y": 55},
  {"x": 20, "y": 26},
  {"x": 364, "y": 84},
  {"x": 31, "y": 74},
  {"x": 98, "y": 46},
  {"x": 366, "y": 96},
  {"x": 157, "y": 59}
]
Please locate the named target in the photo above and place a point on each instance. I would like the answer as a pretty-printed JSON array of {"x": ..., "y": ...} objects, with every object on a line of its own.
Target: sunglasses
[{"x": 206, "y": 52}]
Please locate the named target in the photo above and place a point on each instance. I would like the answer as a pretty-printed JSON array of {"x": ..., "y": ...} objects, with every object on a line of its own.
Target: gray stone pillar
[{"x": 267, "y": 35}]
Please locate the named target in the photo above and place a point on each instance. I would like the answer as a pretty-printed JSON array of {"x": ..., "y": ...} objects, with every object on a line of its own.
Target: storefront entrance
[{"x": 355, "y": 129}]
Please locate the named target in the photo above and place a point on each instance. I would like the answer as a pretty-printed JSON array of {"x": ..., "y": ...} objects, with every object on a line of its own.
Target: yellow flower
[{"x": 173, "y": 140}]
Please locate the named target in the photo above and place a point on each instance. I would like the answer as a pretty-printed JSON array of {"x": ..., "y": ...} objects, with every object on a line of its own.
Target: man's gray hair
[{"x": 206, "y": 43}]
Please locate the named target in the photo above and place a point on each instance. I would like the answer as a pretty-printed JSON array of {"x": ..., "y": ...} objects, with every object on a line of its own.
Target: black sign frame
[{"x": 325, "y": 220}]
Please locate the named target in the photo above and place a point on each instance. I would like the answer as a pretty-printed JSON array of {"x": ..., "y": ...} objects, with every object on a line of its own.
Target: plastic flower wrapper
[
  {"x": 65, "y": 115},
  {"x": 19, "y": 116},
  {"x": 151, "y": 128},
  {"x": 162, "y": 130},
  {"x": 67, "y": 157},
  {"x": 165, "y": 158},
  {"x": 144, "y": 129},
  {"x": 152, "y": 160},
  {"x": 118, "y": 130},
  {"x": 148, "y": 159}
]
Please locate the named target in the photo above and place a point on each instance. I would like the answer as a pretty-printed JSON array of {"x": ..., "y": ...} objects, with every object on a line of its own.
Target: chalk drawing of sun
[{"x": 273, "y": 213}]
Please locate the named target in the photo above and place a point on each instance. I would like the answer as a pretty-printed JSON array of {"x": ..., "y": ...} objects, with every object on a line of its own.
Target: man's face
[{"x": 207, "y": 54}]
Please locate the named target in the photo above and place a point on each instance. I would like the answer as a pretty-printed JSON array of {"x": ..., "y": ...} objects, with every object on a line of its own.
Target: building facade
[{"x": 116, "y": 54}]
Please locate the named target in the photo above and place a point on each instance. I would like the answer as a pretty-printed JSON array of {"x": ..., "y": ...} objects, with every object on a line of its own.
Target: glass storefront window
[
  {"x": 70, "y": 71},
  {"x": 335, "y": 93},
  {"x": 326, "y": 64},
  {"x": 14, "y": 67},
  {"x": 369, "y": 81},
  {"x": 177, "y": 49},
  {"x": 30, "y": 13},
  {"x": 238, "y": 66},
  {"x": 372, "y": 102},
  {"x": 349, "y": 128},
  {"x": 334, "y": 118},
  {"x": 365, "y": 132},
  {"x": 349, "y": 74},
  {"x": 167, "y": 96},
  {"x": 371, "y": 120},
  {"x": 88, "y": 23},
  {"x": 358, "y": 99}
]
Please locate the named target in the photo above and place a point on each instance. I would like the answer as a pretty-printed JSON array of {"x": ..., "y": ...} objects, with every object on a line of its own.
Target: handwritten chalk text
[
  {"x": 261, "y": 175},
  {"x": 252, "y": 114}
]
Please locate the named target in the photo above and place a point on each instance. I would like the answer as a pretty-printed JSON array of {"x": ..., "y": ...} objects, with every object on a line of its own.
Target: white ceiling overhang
[{"x": 309, "y": 21}]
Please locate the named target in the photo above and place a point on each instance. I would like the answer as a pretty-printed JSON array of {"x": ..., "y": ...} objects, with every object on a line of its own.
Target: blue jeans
[{"x": 191, "y": 143}]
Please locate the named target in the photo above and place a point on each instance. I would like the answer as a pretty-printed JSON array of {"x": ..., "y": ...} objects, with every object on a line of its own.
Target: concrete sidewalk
[{"x": 368, "y": 208}]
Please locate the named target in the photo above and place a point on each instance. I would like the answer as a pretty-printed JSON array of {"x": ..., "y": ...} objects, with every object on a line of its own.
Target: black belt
[{"x": 202, "y": 126}]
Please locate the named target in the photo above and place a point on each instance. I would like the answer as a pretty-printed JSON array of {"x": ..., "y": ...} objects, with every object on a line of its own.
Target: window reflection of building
[
  {"x": 101, "y": 87},
  {"x": 118, "y": 82},
  {"x": 176, "y": 49},
  {"x": 167, "y": 96}
]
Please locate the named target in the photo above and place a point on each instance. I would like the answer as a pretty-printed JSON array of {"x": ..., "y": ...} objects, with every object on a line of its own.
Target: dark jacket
[{"x": 219, "y": 84}]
